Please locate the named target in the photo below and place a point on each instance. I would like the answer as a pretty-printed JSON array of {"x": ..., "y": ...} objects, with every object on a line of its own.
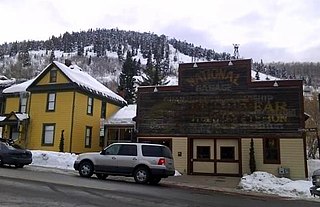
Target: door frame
[{"x": 214, "y": 160}]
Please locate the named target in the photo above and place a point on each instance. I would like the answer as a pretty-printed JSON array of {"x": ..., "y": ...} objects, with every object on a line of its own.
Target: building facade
[
  {"x": 60, "y": 110},
  {"x": 216, "y": 113}
]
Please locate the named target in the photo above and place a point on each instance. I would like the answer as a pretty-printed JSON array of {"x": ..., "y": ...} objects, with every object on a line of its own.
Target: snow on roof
[
  {"x": 21, "y": 87},
  {"x": 4, "y": 81},
  {"x": 83, "y": 79},
  {"x": 76, "y": 75},
  {"x": 262, "y": 76},
  {"x": 22, "y": 116},
  {"x": 124, "y": 116}
]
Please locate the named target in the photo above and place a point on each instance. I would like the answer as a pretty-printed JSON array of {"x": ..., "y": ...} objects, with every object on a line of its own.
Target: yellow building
[{"x": 62, "y": 109}]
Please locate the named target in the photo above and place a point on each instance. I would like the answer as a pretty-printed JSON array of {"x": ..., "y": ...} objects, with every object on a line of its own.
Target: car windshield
[{"x": 8, "y": 146}]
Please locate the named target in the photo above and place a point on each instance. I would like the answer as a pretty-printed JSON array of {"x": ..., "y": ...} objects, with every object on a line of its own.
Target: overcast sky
[{"x": 272, "y": 30}]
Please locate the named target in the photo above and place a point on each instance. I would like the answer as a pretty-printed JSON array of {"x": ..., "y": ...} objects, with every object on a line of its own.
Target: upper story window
[
  {"x": 53, "y": 76},
  {"x": 90, "y": 106},
  {"x": 23, "y": 104},
  {"x": 51, "y": 101},
  {"x": 103, "y": 110}
]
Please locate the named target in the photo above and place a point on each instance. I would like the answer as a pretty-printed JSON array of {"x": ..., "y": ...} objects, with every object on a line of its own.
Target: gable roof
[
  {"x": 123, "y": 117},
  {"x": 13, "y": 117},
  {"x": 75, "y": 75},
  {"x": 17, "y": 88}
]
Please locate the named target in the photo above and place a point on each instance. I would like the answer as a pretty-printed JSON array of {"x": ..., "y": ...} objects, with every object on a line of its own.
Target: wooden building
[
  {"x": 60, "y": 109},
  {"x": 211, "y": 116}
]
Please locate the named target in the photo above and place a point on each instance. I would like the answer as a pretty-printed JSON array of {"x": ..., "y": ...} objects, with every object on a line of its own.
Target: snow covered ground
[{"x": 257, "y": 182}]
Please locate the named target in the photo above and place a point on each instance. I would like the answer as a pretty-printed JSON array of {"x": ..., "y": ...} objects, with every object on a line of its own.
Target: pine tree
[
  {"x": 61, "y": 144},
  {"x": 252, "y": 161},
  {"x": 153, "y": 76},
  {"x": 52, "y": 57},
  {"x": 127, "y": 80},
  {"x": 257, "y": 76}
]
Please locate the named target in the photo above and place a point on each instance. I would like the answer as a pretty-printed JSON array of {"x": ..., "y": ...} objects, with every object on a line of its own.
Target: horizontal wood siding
[
  {"x": 180, "y": 145},
  {"x": 12, "y": 104},
  {"x": 258, "y": 149},
  {"x": 111, "y": 109},
  {"x": 291, "y": 156},
  {"x": 61, "y": 78},
  {"x": 81, "y": 120},
  {"x": 61, "y": 117}
]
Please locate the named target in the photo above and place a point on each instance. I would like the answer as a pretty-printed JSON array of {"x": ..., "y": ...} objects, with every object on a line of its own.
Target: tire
[
  {"x": 141, "y": 175},
  {"x": 86, "y": 169},
  {"x": 101, "y": 176},
  {"x": 154, "y": 180}
]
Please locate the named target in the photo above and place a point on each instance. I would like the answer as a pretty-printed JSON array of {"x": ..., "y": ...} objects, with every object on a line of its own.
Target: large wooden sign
[
  {"x": 214, "y": 78},
  {"x": 238, "y": 111}
]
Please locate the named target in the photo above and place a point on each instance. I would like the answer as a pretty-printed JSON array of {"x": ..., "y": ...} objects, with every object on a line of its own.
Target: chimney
[{"x": 67, "y": 62}]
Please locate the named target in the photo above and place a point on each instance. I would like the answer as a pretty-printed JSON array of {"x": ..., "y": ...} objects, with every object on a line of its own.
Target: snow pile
[
  {"x": 267, "y": 183},
  {"x": 60, "y": 160}
]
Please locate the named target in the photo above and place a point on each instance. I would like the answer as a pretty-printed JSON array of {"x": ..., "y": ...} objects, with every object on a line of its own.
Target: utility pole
[{"x": 236, "y": 54}]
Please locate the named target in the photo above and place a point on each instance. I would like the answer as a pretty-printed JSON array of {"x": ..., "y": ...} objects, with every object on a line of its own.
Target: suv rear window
[{"x": 156, "y": 151}]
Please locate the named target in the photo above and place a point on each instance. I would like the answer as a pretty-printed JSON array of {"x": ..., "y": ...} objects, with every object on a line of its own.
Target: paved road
[{"x": 25, "y": 187}]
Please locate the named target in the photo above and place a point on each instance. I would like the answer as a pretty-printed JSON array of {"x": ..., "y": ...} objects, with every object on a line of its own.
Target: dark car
[{"x": 10, "y": 155}]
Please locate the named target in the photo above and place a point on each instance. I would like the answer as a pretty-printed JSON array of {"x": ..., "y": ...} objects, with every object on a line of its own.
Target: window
[
  {"x": 227, "y": 153},
  {"x": 48, "y": 134},
  {"x": 156, "y": 151},
  {"x": 128, "y": 150},
  {"x": 103, "y": 110},
  {"x": 203, "y": 152},
  {"x": 23, "y": 104},
  {"x": 88, "y": 137},
  {"x": 271, "y": 151},
  {"x": 112, "y": 150},
  {"x": 90, "y": 106},
  {"x": 53, "y": 76},
  {"x": 51, "y": 101}
]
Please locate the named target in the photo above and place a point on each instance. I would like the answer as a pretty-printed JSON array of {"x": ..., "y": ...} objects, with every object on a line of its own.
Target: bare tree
[{"x": 311, "y": 107}]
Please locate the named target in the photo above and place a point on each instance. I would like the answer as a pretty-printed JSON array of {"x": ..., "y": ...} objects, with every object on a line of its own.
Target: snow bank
[
  {"x": 267, "y": 183},
  {"x": 51, "y": 159}
]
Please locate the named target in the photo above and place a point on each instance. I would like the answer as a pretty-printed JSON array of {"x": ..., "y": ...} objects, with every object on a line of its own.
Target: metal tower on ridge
[{"x": 236, "y": 54}]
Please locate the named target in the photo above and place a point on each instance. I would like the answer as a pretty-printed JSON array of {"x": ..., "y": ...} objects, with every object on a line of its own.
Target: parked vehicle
[
  {"x": 315, "y": 189},
  {"x": 147, "y": 163},
  {"x": 11, "y": 155}
]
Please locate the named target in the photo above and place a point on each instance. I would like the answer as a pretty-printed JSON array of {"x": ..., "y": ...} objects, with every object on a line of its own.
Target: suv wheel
[
  {"x": 101, "y": 176},
  {"x": 86, "y": 169},
  {"x": 154, "y": 180},
  {"x": 141, "y": 175}
]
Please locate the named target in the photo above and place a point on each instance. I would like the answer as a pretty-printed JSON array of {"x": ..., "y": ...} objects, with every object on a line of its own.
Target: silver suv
[{"x": 147, "y": 163}]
